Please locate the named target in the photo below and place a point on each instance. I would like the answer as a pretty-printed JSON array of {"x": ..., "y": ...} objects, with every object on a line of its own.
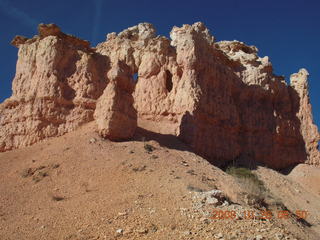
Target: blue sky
[{"x": 288, "y": 31}]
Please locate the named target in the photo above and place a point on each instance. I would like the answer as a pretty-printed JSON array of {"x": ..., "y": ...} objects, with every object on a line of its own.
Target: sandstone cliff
[
  {"x": 309, "y": 131},
  {"x": 219, "y": 97},
  {"x": 58, "y": 80}
]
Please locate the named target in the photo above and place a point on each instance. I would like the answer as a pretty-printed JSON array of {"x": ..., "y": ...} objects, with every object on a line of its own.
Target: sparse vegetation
[
  {"x": 38, "y": 173},
  {"x": 27, "y": 172},
  {"x": 191, "y": 172},
  {"x": 247, "y": 174},
  {"x": 37, "y": 177},
  {"x": 194, "y": 189},
  {"x": 254, "y": 187},
  {"x": 153, "y": 228},
  {"x": 139, "y": 169},
  {"x": 149, "y": 148},
  {"x": 55, "y": 165},
  {"x": 39, "y": 168}
]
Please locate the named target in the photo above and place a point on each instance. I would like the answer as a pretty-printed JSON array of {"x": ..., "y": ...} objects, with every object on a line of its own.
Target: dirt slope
[{"x": 80, "y": 186}]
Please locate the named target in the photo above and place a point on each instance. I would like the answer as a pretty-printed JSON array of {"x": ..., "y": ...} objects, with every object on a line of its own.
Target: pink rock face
[
  {"x": 221, "y": 98},
  {"x": 58, "y": 80},
  {"x": 243, "y": 112},
  {"x": 309, "y": 131},
  {"x": 115, "y": 115},
  {"x": 159, "y": 96}
]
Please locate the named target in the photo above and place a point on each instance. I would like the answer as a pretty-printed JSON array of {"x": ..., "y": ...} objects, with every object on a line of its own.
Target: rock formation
[
  {"x": 220, "y": 98},
  {"x": 115, "y": 115},
  {"x": 309, "y": 131},
  {"x": 58, "y": 80}
]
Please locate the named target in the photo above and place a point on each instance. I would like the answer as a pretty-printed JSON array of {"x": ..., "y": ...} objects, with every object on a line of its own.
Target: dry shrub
[{"x": 256, "y": 192}]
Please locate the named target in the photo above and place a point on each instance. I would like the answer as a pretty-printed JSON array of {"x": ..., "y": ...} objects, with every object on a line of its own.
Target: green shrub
[
  {"x": 149, "y": 148},
  {"x": 245, "y": 173},
  {"x": 254, "y": 187}
]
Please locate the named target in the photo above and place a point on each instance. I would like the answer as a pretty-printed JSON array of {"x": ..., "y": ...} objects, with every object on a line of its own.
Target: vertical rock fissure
[{"x": 169, "y": 83}]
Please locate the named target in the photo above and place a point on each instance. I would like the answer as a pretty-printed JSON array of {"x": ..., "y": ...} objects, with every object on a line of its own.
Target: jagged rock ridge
[{"x": 219, "y": 97}]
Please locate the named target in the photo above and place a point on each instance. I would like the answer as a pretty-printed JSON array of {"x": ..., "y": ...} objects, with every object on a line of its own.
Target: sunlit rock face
[
  {"x": 58, "y": 80},
  {"x": 309, "y": 131},
  {"x": 221, "y": 98},
  {"x": 115, "y": 115}
]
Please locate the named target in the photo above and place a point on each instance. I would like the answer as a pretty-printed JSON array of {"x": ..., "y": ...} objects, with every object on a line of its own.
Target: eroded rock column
[
  {"x": 115, "y": 115},
  {"x": 309, "y": 131}
]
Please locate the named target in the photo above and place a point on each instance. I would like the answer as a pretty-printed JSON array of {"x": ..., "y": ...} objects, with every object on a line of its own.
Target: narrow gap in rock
[{"x": 169, "y": 83}]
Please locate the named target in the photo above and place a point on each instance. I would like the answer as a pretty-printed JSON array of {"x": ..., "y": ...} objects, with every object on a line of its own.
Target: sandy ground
[{"x": 80, "y": 186}]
